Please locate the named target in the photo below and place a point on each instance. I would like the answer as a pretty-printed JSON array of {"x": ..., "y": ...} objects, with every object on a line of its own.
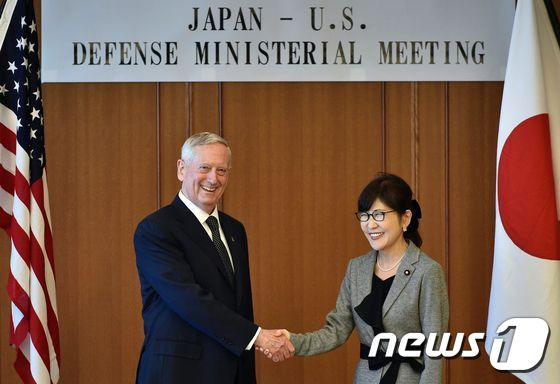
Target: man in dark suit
[{"x": 194, "y": 273}]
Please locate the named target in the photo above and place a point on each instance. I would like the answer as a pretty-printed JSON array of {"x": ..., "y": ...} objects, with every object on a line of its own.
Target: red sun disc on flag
[{"x": 526, "y": 198}]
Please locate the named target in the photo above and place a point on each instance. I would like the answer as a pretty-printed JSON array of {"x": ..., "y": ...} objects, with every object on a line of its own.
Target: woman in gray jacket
[{"x": 394, "y": 288}]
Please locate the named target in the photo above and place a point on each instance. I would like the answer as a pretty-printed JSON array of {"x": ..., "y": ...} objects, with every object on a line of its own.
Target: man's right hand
[{"x": 275, "y": 344}]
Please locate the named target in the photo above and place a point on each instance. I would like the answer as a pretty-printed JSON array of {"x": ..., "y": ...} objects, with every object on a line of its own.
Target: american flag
[{"x": 24, "y": 198}]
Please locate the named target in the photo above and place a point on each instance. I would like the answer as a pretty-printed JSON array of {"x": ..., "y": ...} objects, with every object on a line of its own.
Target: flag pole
[{"x": 553, "y": 17}]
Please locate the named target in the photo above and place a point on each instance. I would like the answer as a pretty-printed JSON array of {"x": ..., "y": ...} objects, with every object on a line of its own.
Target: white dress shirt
[{"x": 202, "y": 216}]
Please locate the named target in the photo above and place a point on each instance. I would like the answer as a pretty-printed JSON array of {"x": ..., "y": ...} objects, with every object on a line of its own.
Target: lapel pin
[
  {"x": 406, "y": 272},
  {"x": 232, "y": 240}
]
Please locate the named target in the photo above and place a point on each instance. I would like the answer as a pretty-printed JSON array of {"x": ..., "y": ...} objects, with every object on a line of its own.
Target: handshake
[{"x": 275, "y": 344}]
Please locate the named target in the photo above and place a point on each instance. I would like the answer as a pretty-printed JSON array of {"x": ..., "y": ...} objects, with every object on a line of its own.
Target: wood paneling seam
[
  {"x": 414, "y": 139},
  {"x": 189, "y": 109},
  {"x": 383, "y": 129},
  {"x": 220, "y": 111},
  {"x": 221, "y": 131},
  {"x": 158, "y": 149},
  {"x": 446, "y": 202}
]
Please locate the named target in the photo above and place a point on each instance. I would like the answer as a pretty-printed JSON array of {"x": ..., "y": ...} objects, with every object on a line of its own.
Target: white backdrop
[{"x": 269, "y": 40}]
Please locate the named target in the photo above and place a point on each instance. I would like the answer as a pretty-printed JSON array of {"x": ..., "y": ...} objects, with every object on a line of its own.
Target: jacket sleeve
[
  {"x": 161, "y": 263},
  {"x": 434, "y": 317},
  {"x": 338, "y": 325}
]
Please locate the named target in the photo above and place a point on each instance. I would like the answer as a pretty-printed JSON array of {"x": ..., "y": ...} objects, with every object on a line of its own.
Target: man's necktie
[{"x": 214, "y": 227}]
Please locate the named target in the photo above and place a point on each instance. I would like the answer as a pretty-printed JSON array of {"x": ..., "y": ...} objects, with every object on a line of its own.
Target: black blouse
[
  {"x": 370, "y": 310},
  {"x": 371, "y": 307}
]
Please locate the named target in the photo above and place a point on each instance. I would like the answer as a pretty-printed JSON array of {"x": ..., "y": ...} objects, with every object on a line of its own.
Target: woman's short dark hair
[{"x": 394, "y": 192}]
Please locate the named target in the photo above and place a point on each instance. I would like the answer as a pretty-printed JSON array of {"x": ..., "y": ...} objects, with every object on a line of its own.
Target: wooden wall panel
[
  {"x": 473, "y": 114},
  {"x": 430, "y": 170},
  {"x": 101, "y": 152},
  {"x": 184, "y": 109},
  {"x": 400, "y": 124},
  {"x": 205, "y": 107},
  {"x": 174, "y": 127},
  {"x": 430, "y": 166},
  {"x": 301, "y": 155}
]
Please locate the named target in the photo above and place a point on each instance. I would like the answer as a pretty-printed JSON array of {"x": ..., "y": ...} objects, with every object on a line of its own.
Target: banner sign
[{"x": 270, "y": 40}]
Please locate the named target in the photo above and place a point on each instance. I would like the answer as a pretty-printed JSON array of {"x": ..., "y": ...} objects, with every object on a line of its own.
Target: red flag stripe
[
  {"x": 39, "y": 266},
  {"x": 46, "y": 199},
  {"x": 7, "y": 138},
  {"x": 38, "y": 229},
  {"x": 38, "y": 323},
  {"x": 43, "y": 346},
  {"x": 42, "y": 272},
  {"x": 42, "y": 341},
  {"x": 17, "y": 290},
  {"x": 20, "y": 333},
  {"x": 6, "y": 180},
  {"x": 42, "y": 198},
  {"x": 20, "y": 241},
  {"x": 39, "y": 371},
  {"x": 21, "y": 187},
  {"x": 23, "y": 368}
]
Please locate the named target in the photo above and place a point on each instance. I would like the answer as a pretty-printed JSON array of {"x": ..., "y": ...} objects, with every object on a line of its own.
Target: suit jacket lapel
[
  {"x": 402, "y": 278},
  {"x": 198, "y": 234},
  {"x": 235, "y": 249}
]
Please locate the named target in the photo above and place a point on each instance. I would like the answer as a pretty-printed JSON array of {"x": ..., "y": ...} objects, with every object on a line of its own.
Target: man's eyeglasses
[{"x": 376, "y": 215}]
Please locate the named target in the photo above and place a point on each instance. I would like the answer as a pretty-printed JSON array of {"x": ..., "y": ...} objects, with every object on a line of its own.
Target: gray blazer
[{"x": 416, "y": 302}]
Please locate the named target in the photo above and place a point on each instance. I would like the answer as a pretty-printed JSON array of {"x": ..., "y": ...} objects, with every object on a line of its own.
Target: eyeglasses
[{"x": 376, "y": 215}]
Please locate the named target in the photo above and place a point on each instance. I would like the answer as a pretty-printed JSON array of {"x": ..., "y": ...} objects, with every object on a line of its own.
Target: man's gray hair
[{"x": 202, "y": 138}]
